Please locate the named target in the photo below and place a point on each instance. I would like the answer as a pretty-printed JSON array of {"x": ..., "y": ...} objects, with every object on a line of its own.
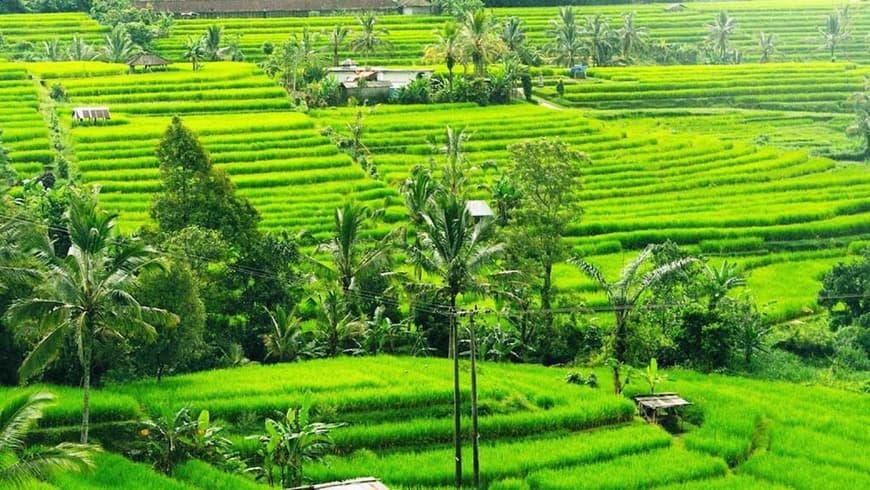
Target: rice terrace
[{"x": 431, "y": 244}]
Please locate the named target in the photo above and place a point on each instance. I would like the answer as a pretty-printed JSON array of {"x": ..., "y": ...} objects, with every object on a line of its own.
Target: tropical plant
[
  {"x": 631, "y": 38},
  {"x": 118, "y": 47},
  {"x": 767, "y": 46},
  {"x": 336, "y": 330},
  {"x": 335, "y": 40},
  {"x": 719, "y": 36},
  {"x": 285, "y": 341},
  {"x": 52, "y": 50},
  {"x": 20, "y": 464},
  {"x": 447, "y": 47},
  {"x": 599, "y": 38},
  {"x": 567, "y": 43},
  {"x": 480, "y": 42},
  {"x": 860, "y": 126},
  {"x": 80, "y": 50},
  {"x": 457, "y": 8},
  {"x": 419, "y": 189},
  {"x": 624, "y": 293},
  {"x": 292, "y": 441},
  {"x": 194, "y": 50},
  {"x": 650, "y": 374},
  {"x": 718, "y": 281},
  {"x": 370, "y": 38},
  {"x": 835, "y": 31},
  {"x": 170, "y": 442},
  {"x": 211, "y": 42},
  {"x": 86, "y": 294}
]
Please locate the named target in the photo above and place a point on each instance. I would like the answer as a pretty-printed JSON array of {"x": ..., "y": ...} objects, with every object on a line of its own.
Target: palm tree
[
  {"x": 284, "y": 342},
  {"x": 833, "y": 32},
  {"x": 567, "y": 43},
  {"x": 18, "y": 464},
  {"x": 85, "y": 295},
  {"x": 599, "y": 38},
  {"x": 861, "y": 125},
  {"x": 52, "y": 50},
  {"x": 453, "y": 177},
  {"x": 447, "y": 48},
  {"x": 79, "y": 50},
  {"x": 624, "y": 293},
  {"x": 512, "y": 34},
  {"x": 194, "y": 51},
  {"x": 370, "y": 38},
  {"x": 335, "y": 40},
  {"x": 767, "y": 45},
  {"x": 211, "y": 41},
  {"x": 719, "y": 35},
  {"x": 631, "y": 37},
  {"x": 451, "y": 246},
  {"x": 419, "y": 189},
  {"x": 719, "y": 281},
  {"x": 118, "y": 46},
  {"x": 479, "y": 40}
]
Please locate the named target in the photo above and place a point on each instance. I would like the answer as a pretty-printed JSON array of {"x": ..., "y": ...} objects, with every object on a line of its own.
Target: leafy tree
[
  {"x": 631, "y": 38},
  {"x": 453, "y": 177},
  {"x": 719, "y": 36},
  {"x": 452, "y": 247},
  {"x": 118, "y": 47},
  {"x": 547, "y": 175},
  {"x": 599, "y": 38},
  {"x": 567, "y": 43},
  {"x": 87, "y": 294},
  {"x": 211, "y": 42},
  {"x": 718, "y": 281},
  {"x": 767, "y": 46},
  {"x": 370, "y": 38},
  {"x": 8, "y": 175},
  {"x": 418, "y": 190},
  {"x": 196, "y": 193},
  {"x": 447, "y": 47},
  {"x": 480, "y": 40},
  {"x": 846, "y": 293},
  {"x": 860, "y": 127},
  {"x": 285, "y": 340},
  {"x": 170, "y": 442},
  {"x": 335, "y": 40},
  {"x": 20, "y": 464},
  {"x": 835, "y": 31},
  {"x": 336, "y": 328},
  {"x": 623, "y": 295},
  {"x": 194, "y": 50},
  {"x": 458, "y": 8}
]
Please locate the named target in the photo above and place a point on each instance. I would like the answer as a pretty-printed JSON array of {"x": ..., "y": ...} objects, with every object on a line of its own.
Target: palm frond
[
  {"x": 18, "y": 416},
  {"x": 660, "y": 273},
  {"x": 45, "y": 352}
]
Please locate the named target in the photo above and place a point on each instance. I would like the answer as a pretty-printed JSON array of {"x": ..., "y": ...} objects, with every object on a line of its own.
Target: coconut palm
[
  {"x": 452, "y": 247},
  {"x": 370, "y": 38},
  {"x": 18, "y": 464},
  {"x": 419, "y": 189},
  {"x": 719, "y": 35},
  {"x": 567, "y": 44},
  {"x": 118, "y": 47},
  {"x": 211, "y": 41},
  {"x": 335, "y": 40},
  {"x": 194, "y": 50},
  {"x": 718, "y": 281},
  {"x": 767, "y": 45},
  {"x": 52, "y": 50},
  {"x": 513, "y": 34},
  {"x": 453, "y": 177},
  {"x": 624, "y": 293},
  {"x": 284, "y": 342},
  {"x": 599, "y": 38},
  {"x": 79, "y": 50},
  {"x": 85, "y": 295},
  {"x": 447, "y": 47},
  {"x": 833, "y": 32},
  {"x": 480, "y": 41},
  {"x": 631, "y": 38}
]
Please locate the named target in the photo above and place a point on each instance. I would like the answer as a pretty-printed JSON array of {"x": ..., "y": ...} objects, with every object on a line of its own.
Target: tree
[
  {"x": 480, "y": 41},
  {"x": 419, "y": 189},
  {"x": 719, "y": 281},
  {"x": 370, "y": 38},
  {"x": 194, "y": 51},
  {"x": 513, "y": 36},
  {"x": 335, "y": 40},
  {"x": 52, "y": 50},
  {"x": 548, "y": 176},
  {"x": 20, "y": 464},
  {"x": 452, "y": 247},
  {"x": 599, "y": 38},
  {"x": 458, "y": 8},
  {"x": 835, "y": 30},
  {"x": 719, "y": 36},
  {"x": 195, "y": 193},
  {"x": 447, "y": 47},
  {"x": 860, "y": 127},
  {"x": 624, "y": 293},
  {"x": 631, "y": 38},
  {"x": 118, "y": 47},
  {"x": 87, "y": 294},
  {"x": 767, "y": 46},
  {"x": 170, "y": 442},
  {"x": 285, "y": 340},
  {"x": 211, "y": 42},
  {"x": 453, "y": 176},
  {"x": 80, "y": 50},
  {"x": 846, "y": 293},
  {"x": 567, "y": 43}
]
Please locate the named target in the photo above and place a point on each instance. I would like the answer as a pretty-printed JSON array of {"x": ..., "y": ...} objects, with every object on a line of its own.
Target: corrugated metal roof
[
  {"x": 148, "y": 59},
  {"x": 367, "y": 483},
  {"x": 91, "y": 113},
  {"x": 479, "y": 209},
  {"x": 662, "y": 400}
]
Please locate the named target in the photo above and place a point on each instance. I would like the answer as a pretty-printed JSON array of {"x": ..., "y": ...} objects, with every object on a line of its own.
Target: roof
[
  {"x": 662, "y": 400},
  {"x": 190, "y": 6},
  {"x": 415, "y": 3},
  {"x": 147, "y": 59},
  {"x": 367, "y": 483},
  {"x": 675, "y": 7},
  {"x": 91, "y": 113},
  {"x": 479, "y": 209}
]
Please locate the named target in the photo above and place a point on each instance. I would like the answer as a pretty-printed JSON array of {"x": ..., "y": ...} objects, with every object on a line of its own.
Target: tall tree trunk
[
  {"x": 86, "y": 392},
  {"x": 545, "y": 291},
  {"x": 617, "y": 386},
  {"x": 457, "y": 405},
  {"x": 475, "y": 431}
]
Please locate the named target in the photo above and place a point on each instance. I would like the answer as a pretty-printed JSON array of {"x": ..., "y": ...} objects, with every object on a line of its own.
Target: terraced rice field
[
  {"x": 24, "y": 130},
  {"x": 535, "y": 428},
  {"x": 34, "y": 29}
]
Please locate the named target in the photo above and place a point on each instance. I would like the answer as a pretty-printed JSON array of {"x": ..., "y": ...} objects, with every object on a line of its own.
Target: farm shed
[
  {"x": 416, "y": 7},
  {"x": 650, "y": 406},
  {"x": 675, "y": 7},
  {"x": 367, "y": 483},
  {"x": 265, "y": 8},
  {"x": 91, "y": 114},
  {"x": 479, "y": 210},
  {"x": 348, "y": 71},
  {"x": 147, "y": 61}
]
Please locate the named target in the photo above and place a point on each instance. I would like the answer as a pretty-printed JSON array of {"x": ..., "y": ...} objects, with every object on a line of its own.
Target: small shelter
[
  {"x": 479, "y": 210},
  {"x": 91, "y": 114},
  {"x": 416, "y": 7},
  {"x": 147, "y": 61},
  {"x": 367, "y": 483},
  {"x": 675, "y": 7},
  {"x": 652, "y": 406}
]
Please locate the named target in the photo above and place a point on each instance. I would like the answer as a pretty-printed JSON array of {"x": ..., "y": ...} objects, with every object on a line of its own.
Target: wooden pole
[{"x": 457, "y": 423}]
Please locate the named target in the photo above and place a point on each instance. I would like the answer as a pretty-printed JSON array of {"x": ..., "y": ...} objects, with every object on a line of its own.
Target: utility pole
[
  {"x": 475, "y": 432},
  {"x": 457, "y": 407}
]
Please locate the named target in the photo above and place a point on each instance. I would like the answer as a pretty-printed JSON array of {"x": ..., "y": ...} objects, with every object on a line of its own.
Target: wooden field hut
[
  {"x": 675, "y": 7},
  {"x": 658, "y": 405},
  {"x": 91, "y": 114},
  {"x": 147, "y": 61},
  {"x": 479, "y": 210},
  {"x": 367, "y": 483}
]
